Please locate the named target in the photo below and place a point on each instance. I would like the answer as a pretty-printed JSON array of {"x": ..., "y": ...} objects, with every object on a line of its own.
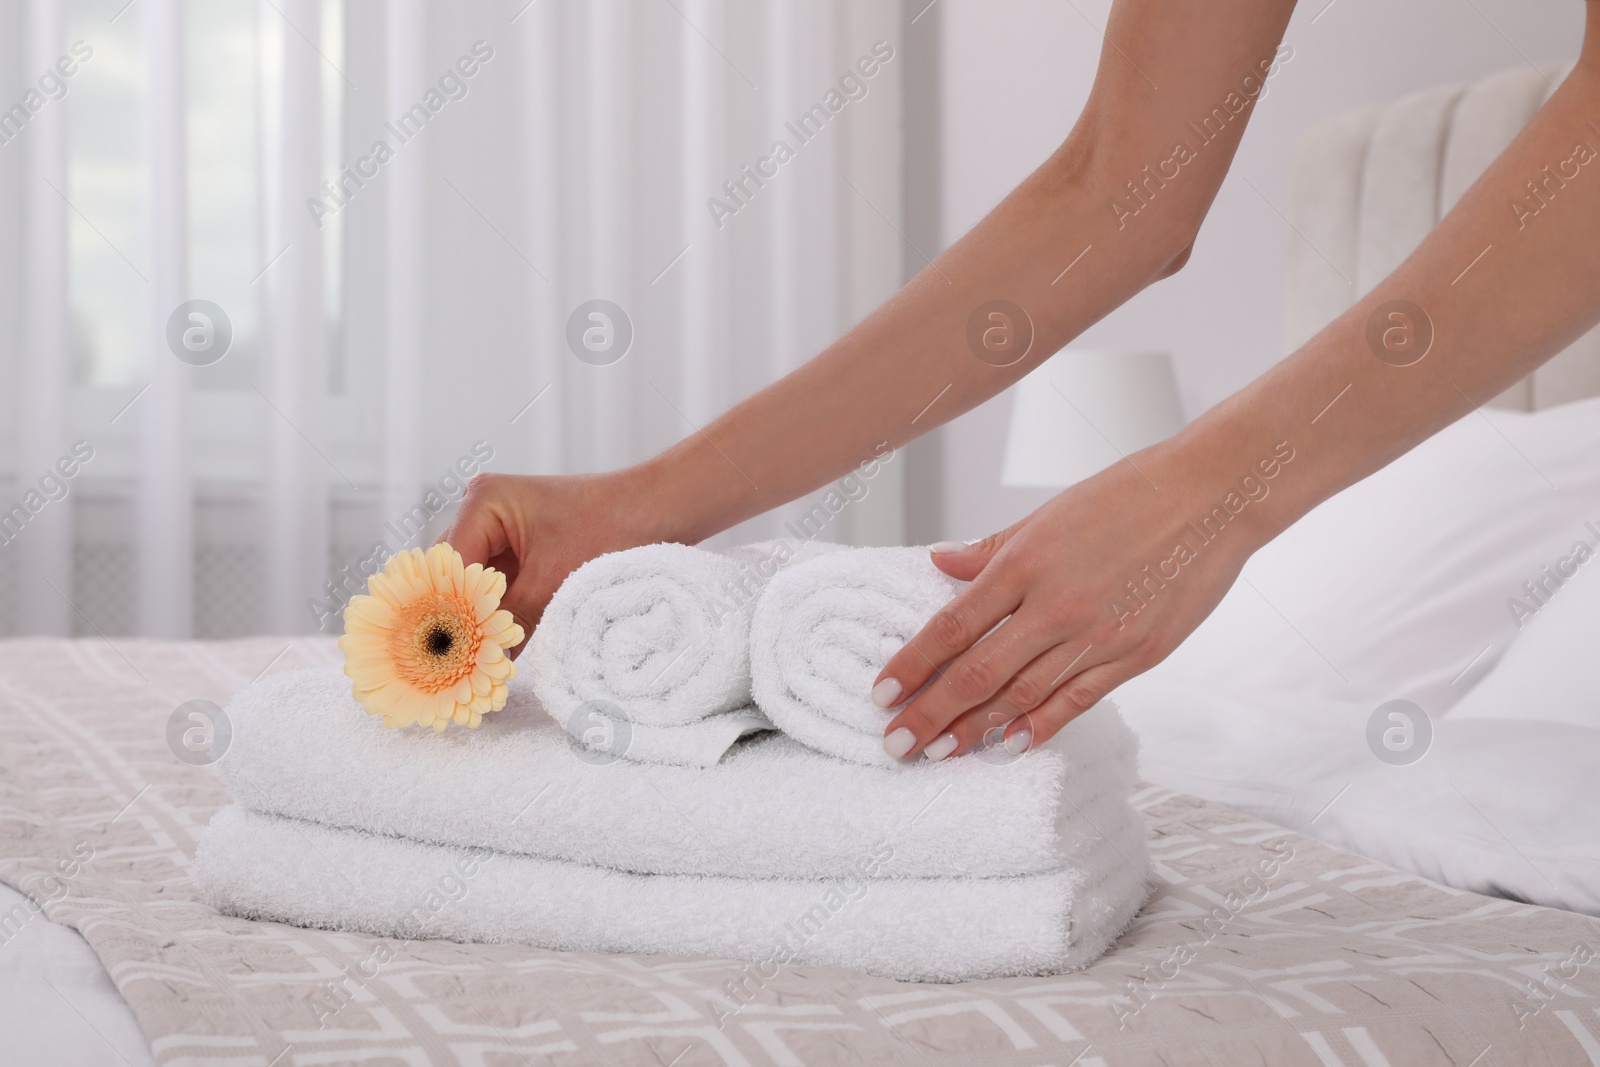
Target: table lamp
[{"x": 1081, "y": 411}]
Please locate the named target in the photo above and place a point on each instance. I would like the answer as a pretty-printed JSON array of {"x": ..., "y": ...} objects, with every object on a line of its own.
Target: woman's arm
[
  {"x": 1104, "y": 581},
  {"x": 908, "y": 367},
  {"x": 1117, "y": 202}
]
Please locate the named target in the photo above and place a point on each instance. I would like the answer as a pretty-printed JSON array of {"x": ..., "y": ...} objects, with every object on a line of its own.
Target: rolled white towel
[
  {"x": 822, "y": 631},
  {"x": 920, "y": 929},
  {"x": 645, "y": 653},
  {"x": 773, "y": 808}
]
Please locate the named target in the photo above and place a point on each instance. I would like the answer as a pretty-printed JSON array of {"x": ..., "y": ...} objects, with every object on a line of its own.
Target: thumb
[
  {"x": 961, "y": 560},
  {"x": 526, "y": 600},
  {"x": 478, "y": 532}
]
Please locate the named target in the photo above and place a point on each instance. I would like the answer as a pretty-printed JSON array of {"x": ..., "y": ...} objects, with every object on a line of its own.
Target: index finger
[{"x": 953, "y": 629}]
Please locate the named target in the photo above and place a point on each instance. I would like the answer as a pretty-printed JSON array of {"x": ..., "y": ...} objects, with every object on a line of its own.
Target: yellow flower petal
[
  {"x": 411, "y": 574},
  {"x": 498, "y": 621},
  {"x": 414, "y": 706},
  {"x": 491, "y": 589},
  {"x": 484, "y": 607},
  {"x": 383, "y": 699},
  {"x": 444, "y": 565},
  {"x": 384, "y": 586},
  {"x": 371, "y": 610}
]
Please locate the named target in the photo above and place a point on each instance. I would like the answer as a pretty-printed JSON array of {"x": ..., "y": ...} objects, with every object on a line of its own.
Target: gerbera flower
[{"x": 428, "y": 645}]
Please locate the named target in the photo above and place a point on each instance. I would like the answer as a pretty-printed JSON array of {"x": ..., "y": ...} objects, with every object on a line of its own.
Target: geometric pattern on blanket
[{"x": 1258, "y": 945}]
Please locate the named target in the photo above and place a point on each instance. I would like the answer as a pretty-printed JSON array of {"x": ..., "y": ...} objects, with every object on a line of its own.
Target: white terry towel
[
  {"x": 302, "y": 747},
  {"x": 822, "y": 631},
  {"x": 645, "y": 653},
  {"x": 945, "y": 929}
]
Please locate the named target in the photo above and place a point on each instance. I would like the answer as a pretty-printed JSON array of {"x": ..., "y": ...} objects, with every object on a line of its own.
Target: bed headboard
[{"x": 1365, "y": 187}]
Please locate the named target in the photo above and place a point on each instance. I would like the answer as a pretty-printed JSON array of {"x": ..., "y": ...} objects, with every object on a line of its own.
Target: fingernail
[
  {"x": 941, "y": 746},
  {"x": 1019, "y": 742},
  {"x": 947, "y": 546},
  {"x": 899, "y": 743},
  {"x": 886, "y": 692}
]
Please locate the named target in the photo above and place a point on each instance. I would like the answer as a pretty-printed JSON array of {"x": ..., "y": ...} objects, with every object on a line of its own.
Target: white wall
[{"x": 1016, "y": 74}]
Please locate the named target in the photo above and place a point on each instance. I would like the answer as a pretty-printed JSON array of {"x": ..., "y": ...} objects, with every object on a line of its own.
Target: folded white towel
[
  {"x": 302, "y": 747},
  {"x": 267, "y": 867},
  {"x": 822, "y": 631},
  {"x": 645, "y": 653}
]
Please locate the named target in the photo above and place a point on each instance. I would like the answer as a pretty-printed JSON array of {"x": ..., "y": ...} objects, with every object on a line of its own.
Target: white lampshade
[{"x": 1081, "y": 411}]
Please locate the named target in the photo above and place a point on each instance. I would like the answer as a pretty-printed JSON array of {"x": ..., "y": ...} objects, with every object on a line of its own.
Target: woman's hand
[
  {"x": 1092, "y": 590},
  {"x": 537, "y": 529}
]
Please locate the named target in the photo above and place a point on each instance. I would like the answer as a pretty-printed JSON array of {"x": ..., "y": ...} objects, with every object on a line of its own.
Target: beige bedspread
[{"x": 1258, "y": 946}]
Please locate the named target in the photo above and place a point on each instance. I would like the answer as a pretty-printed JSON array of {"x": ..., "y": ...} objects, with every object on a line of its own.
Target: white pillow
[
  {"x": 1278, "y": 756},
  {"x": 1551, "y": 672},
  {"x": 1495, "y": 806},
  {"x": 1397, "y": 587}
]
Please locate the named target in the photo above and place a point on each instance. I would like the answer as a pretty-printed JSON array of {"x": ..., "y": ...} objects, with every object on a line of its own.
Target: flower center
[{"x": 436, "y": 642}]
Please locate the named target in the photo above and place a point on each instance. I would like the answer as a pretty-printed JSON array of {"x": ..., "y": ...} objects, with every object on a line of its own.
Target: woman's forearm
[
  {"x": 1114, "y": 209},
  {"x": 907, "y": 368},
  {"x": 1506, "y": 280}
]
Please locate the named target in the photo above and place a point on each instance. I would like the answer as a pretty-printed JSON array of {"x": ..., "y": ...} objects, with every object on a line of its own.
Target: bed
[{"x": 1261, "y": 944}]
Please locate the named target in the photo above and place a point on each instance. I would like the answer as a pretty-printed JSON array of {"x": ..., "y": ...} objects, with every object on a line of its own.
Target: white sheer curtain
[
  {"x": 399, "y": 314},
  {"x": 41, "y": 564},
  {"x": 164, "y": 529}
]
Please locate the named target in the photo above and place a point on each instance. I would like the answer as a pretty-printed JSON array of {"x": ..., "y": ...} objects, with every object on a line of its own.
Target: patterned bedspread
[{"x": 1258, "y": 946}]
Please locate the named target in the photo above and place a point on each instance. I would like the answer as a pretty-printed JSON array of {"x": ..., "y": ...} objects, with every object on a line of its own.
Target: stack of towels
[{"x": 689, "y": 763}]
